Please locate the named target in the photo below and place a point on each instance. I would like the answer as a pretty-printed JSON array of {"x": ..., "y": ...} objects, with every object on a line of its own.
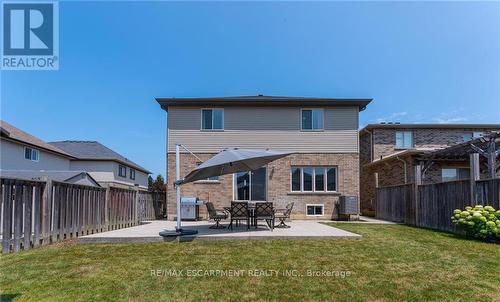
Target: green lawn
[{"x": 390, "y": 263}]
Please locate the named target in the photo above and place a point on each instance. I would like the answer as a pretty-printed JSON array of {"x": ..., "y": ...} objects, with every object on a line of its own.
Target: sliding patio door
[{"x": 251, "y": 185}]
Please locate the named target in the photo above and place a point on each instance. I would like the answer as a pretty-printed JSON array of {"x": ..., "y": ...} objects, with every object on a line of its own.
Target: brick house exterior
[
  {"x": 275, "y": 123},
  {"x": 383, "y": 164}
]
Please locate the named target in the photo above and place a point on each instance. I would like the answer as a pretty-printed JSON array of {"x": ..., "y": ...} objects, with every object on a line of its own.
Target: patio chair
[
  {"x": 216, "y": 214},
  {"x": 284, "y": 214},
  {"x": 264, "y": 211},
  {"x": 239, "y": 211}
]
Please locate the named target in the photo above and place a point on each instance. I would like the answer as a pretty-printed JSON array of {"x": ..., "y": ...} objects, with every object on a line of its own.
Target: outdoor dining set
[{"x": 250, "y": 213}]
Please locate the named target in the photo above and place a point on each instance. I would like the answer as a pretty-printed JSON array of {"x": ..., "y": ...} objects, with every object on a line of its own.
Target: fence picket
[{"x": 43, "y": 212}]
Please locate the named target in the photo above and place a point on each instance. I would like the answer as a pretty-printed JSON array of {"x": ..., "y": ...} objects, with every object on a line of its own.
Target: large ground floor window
[
  {"x": 314, "y": 179},
  {"x": 251, "y": 185}
]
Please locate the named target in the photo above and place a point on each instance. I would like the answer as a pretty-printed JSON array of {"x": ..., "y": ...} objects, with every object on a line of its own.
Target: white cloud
[
  {"x": 392, "y": 117},
  {"x": 454, "y": 116}
]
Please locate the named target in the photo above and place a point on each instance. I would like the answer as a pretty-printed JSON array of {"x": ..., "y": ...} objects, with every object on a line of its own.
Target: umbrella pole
[
  {"x": 178, "y": 229},
  {"x": 178, "y": 186}
]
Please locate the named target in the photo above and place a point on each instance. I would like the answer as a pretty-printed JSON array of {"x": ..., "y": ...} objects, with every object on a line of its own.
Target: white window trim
[
  {"x": 212, "y": 130},
  {"x": 314, "y": 179},
  {"x": 312, "y": 130},
  {"x": 412, "y": 144},
  {"x": 316, "y": 205},
  {"x": 130, "y": 173},
  {"x": 124, "y": 176},
  {"x": 32, "y": 149}
]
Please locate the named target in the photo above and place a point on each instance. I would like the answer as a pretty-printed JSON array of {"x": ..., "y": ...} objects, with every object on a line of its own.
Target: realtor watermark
[
  {"x": 30, "y": 35},
  {"x": 259, "y": 273}
]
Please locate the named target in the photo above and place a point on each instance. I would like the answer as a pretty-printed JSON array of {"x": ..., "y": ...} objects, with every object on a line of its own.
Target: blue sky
[{"x": 419, "y": 61}]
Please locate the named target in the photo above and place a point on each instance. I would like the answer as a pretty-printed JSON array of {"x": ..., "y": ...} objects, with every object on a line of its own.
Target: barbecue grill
[{"x": 190, "y": 208}]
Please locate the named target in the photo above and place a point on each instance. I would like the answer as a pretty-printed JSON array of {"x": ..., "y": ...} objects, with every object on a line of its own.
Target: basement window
[{"x": 315, "y": 210}]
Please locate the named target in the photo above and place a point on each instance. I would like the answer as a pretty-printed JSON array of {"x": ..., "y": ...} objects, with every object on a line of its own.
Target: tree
[{"x": 158, "y": 184}]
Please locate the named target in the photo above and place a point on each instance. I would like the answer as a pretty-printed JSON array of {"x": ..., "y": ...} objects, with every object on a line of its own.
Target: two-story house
[
  {"x": 25, "y": 156},
  {"x": 105, "y": 165},
  {"x": 389, "y": 152},
  {"x": 323, "y": 133}
]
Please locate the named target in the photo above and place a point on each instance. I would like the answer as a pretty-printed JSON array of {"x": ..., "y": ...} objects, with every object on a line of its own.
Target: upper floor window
[
  {"x": 404, "y": 139},
  {"x": 132, "y": 174},
  {"x": 472, "y": 135},
  {"x": 212, "y": 119},
  {"x": 122, "y": 171},
  {"x": 314, "y": 179},
  {"x": 31, "y": 154},
  {"x": 312, "y": 119}
]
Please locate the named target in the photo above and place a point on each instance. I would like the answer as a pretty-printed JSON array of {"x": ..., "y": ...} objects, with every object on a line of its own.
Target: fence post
[
  {"x": 46, "y": 211},
  {"x": 136, "y": 206},
  {"x": 474, "y": 176},
  {"x": 416, "y": 197},
  {"x": 106, "y": 208}
]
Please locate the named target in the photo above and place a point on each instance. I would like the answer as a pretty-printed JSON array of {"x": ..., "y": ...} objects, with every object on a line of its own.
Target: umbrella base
[{"x": 179, "y": 232}]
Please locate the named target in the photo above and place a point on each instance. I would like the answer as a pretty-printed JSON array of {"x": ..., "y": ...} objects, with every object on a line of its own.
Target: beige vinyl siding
[{"x": 269, "y": 127}]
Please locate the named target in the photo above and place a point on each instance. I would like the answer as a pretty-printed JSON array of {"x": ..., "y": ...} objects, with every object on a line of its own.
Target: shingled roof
[
  {"x": 10, "y": 132},
  {"x": 93, "y": 150}
]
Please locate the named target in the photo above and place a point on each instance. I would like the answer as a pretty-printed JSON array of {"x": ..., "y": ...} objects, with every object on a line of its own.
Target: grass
[{"x": 390, "y": 263}]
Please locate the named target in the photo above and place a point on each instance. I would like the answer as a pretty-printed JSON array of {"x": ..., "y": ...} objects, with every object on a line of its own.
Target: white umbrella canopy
[{"x": 232, "y": 161}]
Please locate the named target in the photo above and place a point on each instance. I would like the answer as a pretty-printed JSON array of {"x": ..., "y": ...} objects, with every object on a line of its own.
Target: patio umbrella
[
  {"x": 226, "y": 162},
  {"x": 232, "y": 161}
]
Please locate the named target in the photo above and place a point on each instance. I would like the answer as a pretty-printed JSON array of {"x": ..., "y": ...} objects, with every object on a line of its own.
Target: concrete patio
[{"x": 148, "y": 232}]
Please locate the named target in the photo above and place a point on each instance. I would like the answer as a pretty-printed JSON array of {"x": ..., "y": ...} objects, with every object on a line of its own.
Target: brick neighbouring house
[
  {"x": 323, "y": 132},
  {"x": 386, "y": 149}
]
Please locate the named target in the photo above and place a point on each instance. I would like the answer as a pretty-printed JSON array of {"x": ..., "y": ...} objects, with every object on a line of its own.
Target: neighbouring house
[
  {"x": 21, "y": 152},
  {"x": 323, "y": 132},
  {"x": 390, "y": 151},
  {"x": 105, "y": 165}
]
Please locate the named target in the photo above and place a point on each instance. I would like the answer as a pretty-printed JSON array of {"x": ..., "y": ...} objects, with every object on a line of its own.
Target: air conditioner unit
[{"x": 348, "y": 205}]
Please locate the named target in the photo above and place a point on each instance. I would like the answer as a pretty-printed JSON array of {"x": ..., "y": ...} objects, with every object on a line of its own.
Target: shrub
[{"x": 478, "y": 221}]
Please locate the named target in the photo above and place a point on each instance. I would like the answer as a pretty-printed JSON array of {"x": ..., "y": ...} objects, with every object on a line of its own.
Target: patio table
[{"x": 251, "y": 213}]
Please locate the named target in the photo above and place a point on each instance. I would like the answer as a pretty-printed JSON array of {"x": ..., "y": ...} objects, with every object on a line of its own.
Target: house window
[
  {"x": 472, "y": 135},
  {"x": 315, "y": 210},
  {"x": 451, "y": 174},
  {"x": 314, "y": 179},
  {"x": 122, "y": 171},
  {"x": 404, "y": 139},
  {"x": 212, "y": 119},
  {"x": 31, "y": 154},
  {"x": 251, "y": 185},
  {"x": 213, "y": 178},
  {"x": 312, "y": 119},
  {"x": 132, "y": 174}
]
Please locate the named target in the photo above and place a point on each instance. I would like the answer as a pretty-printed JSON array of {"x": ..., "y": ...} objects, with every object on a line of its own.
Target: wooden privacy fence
[
  {"x": 151, "y": 205},
  {"x": 34, "y": 213},
  {"x": 398, "y": 204},
  {"x": 432, "y": 205}
]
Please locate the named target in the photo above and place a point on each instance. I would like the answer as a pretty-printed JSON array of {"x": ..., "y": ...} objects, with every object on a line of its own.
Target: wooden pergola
[{"x": 487, "y": 147}]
